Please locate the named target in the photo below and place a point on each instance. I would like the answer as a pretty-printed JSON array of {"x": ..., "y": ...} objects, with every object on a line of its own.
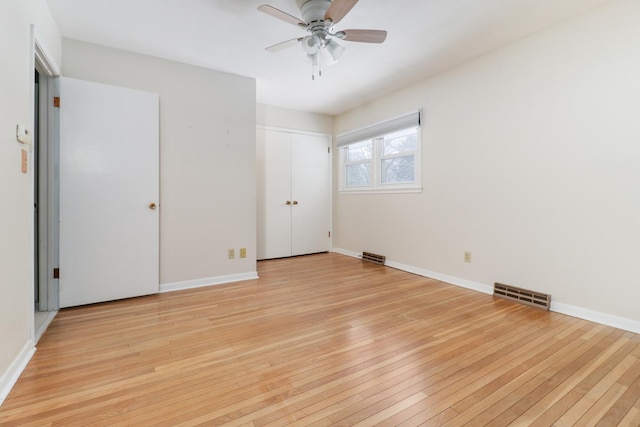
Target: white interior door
[
  {"x": 294, "y": 209},
  {"x": 274, "y": 191},
  {"x": 109, "y": 191},
  {"x": 310, "y": 191}
]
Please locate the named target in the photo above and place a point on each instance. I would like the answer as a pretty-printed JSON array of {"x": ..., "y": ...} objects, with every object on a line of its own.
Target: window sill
[{"x": 403, "y": 190}]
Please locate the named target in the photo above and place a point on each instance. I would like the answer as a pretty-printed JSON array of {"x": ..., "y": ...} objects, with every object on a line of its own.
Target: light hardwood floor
[{"x": 327, "y": 340}]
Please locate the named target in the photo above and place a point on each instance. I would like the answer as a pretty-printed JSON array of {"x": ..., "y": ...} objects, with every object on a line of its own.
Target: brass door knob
[
  {"x": 295, "y": 202},
  {"x": 288, "y": 203},
  {"x": 152, "y": 205}
]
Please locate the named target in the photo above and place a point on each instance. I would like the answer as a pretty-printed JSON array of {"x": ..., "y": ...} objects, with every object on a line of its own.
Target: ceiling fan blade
[
  {"x": 364, "y": 36},
  {"x": 284, "y": 16},
  {"x": 338, "y": 9},
  {"x": 283, "y": 45}
]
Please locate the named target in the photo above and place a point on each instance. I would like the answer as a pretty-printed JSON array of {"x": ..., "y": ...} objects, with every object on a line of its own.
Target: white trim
[
  {"x": 383, "y": 191},
  {"x": 463, "y": 283},
  {"x": 11, "y": 375},
  {"x": 557, "y": 307},
  {"x": 43, "y": 55},
  {"x": 44, "y": 325},
  {"x": 209, "y": 281},
  {"x": 596, "y": 316},
  {"x": 346, "y": 252}
]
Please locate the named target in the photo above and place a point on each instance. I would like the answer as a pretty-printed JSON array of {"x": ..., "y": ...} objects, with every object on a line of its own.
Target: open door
[{"x": 109, "y": 192}]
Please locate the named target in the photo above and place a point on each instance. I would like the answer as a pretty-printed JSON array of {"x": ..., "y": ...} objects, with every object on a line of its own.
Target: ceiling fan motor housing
[{"x": 313, "y": 10}]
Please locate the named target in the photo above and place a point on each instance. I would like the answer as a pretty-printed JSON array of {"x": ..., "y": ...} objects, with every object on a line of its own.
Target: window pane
[
  {"x": 400, "y": 142},
  {"x": 359, "y": 151},
  {"x": 359, "y": 175},
  {"x": 398, "y": 169}
]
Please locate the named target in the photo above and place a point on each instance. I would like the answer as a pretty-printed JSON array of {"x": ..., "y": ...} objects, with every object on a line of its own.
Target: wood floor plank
[
  {"x": 489, "y": 396},
  {"x": 547, "y": 411},
  {"x": 326, "y": 340},
  {"x": 526, "y": 395},
  {"x": 620, "y": 408}
]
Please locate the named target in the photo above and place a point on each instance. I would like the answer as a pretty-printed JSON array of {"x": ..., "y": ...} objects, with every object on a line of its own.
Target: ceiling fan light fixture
[
  {"x": 311, "y": 44},
  {"x": 335, "y": 49}
]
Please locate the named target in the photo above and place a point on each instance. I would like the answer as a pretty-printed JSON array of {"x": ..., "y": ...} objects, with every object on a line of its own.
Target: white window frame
[
  {"x": 345, "y": 163},
  {"x": 376, "y": 185}
]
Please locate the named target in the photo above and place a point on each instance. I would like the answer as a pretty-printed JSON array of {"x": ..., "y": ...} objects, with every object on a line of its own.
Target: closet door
[
  {"x": 310, "y": 193},
  {"x": 294, "y": 208},
  {"x": 274, "y": 191}
]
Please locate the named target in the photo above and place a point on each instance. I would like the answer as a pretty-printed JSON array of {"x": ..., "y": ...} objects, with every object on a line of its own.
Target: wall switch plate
[
  {"x": 243, "y": 252},
  {"x": 232, "y": 253},
  {"x": 24, "y": 162},
  {"x": 467, "y": 256}
]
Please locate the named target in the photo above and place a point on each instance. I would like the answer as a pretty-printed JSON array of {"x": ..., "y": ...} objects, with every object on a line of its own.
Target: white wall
[
  {"x": 207, "y": 158},
  {"x": 531, "y": 161},
  {"x": 16, "y": 189},
  {"x": 271, "y": 116}
]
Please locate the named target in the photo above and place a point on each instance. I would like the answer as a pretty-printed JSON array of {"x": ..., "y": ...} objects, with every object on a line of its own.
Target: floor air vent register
[
  {"x": 524, "y": 296},
  {"x": 373, "y": 258}
]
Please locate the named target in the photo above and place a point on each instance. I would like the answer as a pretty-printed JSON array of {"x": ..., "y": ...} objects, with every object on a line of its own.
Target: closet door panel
[
  {"x": 274, "y": 191},
  {"x": 310, "y": 192}
]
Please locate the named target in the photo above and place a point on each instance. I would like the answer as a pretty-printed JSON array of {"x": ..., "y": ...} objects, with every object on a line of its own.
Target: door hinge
[
  {"x": 329, "y": 234},
  {"x": 329, "y": 150},
  {"x": 56, "y": 102},
  {"x": 56, "y": 273}
]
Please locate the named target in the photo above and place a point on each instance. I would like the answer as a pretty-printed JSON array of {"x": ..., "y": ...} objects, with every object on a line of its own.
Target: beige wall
[
  {"x": 207, "y": 157},
  {"x": 531, "y": 161},
  {"x": 271, "y": 116},
  {"x": 16, "y": 189}
]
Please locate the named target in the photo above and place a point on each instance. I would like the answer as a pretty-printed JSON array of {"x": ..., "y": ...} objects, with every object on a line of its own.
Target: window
[
  {"x": 382, "y": 158},
  {"x": 358, "y": 161}
]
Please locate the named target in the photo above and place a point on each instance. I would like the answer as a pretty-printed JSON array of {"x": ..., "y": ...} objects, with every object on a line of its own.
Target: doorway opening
[{"x": 45, "y": 173}]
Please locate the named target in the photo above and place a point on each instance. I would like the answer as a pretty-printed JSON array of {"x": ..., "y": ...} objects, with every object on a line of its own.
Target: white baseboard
[
  {"x": 569, "y": 310},
  {"x": 596, "y": 316},
  {"x": 209, "y": 281},
  {"x": 11, "y": 375},
  {"x": 43, "y": 327},
  {"x": 427, "y": 273},
  {"x": 468, "y": 284},
  {"x": 346, "y": 252}
]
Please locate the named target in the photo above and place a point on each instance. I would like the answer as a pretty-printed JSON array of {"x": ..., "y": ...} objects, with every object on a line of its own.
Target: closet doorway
[{"x": 294, "y": 193}]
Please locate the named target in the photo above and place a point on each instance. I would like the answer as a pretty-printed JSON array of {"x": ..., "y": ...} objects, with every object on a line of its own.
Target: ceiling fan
[{"x": 318, "y": 19}]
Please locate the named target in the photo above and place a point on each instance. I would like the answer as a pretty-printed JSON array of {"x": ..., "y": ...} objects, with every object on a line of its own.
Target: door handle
[
  {"x": 152, "y": 206},
  {"x": 288, "y": 202},
  {"x": 295, "y": 202}
]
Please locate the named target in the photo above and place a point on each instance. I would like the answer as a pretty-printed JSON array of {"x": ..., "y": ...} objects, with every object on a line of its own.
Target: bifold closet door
[{"x": 294, "y": 206}]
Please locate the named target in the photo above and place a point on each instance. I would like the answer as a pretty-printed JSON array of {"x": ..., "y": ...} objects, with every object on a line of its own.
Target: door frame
[
  {"x": 331, "y": 162},
  {"x": 48, "y": 143}
]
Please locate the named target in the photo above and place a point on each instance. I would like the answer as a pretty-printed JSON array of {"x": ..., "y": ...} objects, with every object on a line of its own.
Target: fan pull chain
[{"x": 313, "y": 67}]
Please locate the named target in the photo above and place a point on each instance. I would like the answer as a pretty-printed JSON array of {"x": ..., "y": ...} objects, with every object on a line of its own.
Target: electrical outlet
[
  {"x": 467, "y": 256},
  {"x": 243, "y": 252},
  {"x": 232, "y": 253}
]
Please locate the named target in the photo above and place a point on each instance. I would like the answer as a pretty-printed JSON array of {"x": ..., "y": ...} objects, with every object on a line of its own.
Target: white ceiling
[{"x": 424, "y": 37}]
